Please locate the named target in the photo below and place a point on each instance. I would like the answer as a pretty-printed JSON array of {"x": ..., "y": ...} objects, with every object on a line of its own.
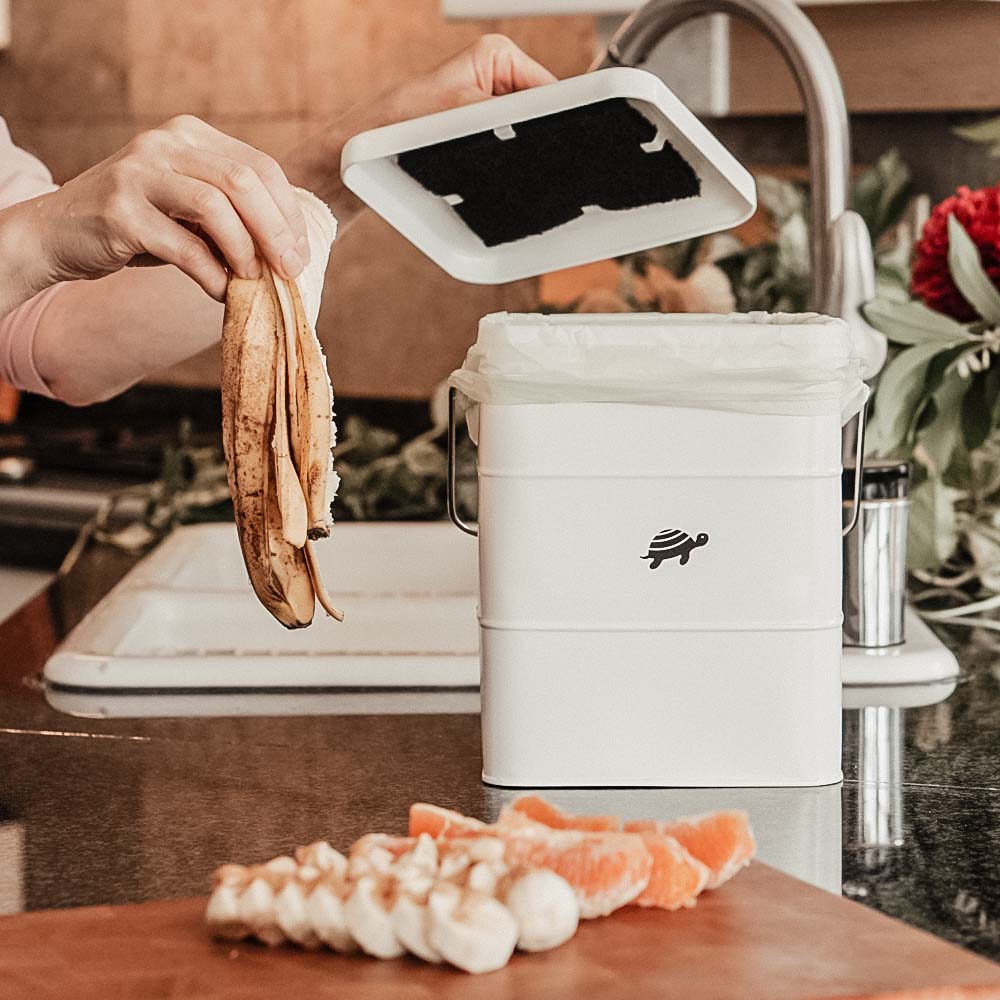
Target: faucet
[{"x": 842, "y": 263}]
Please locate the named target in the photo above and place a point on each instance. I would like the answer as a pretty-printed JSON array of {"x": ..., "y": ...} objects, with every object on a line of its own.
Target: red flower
[{"x": 979, "y": 213}]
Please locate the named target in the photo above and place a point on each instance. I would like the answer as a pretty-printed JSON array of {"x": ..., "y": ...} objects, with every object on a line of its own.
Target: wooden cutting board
[{"x": 764, "y": 935}]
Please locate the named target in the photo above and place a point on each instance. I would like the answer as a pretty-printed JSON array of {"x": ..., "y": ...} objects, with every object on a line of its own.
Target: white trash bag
[{"x": 786, "y": 364}]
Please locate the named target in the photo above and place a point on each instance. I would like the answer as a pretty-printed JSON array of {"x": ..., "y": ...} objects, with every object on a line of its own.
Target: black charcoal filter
[{"x": 545, "y": 172}]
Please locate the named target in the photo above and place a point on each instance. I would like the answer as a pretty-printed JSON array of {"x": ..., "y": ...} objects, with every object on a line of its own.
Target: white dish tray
[
  {"x": 922, "y": 659},
  {"x": 95, "y": 703},
  {"x": 185, "y": 618}
]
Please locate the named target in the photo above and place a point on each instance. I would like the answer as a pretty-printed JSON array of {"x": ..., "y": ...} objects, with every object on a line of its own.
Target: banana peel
[{"x": 277, "y": 432}]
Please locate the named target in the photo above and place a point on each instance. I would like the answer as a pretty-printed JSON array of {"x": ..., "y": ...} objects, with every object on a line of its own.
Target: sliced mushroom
[
  {"x": 292, "y": 916},
  {"x": 411, "y": 922},
  {"x": 322, "y": 856},
  {"x": 325, "y": 912},
  {"x": 256, "y": 910},
  {"x": 472, "y": 931},
  {"x": 223, "y": 911},
  {"x": 454, "y": 863},
  {"x": 368, "y": 918},
  {"x": 545, "y": 907},
  {"x": 482, "y": 877}
]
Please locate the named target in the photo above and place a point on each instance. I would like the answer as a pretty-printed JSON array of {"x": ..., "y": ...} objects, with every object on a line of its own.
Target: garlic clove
[
  {"x": 545, "y": 907},
  {"x": 367, "y": 911},
  {"x": 473, "y": 932}
]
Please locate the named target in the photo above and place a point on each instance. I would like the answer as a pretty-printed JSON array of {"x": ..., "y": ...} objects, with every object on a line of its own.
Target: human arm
[
  {"x": 490, "y": 67},
  {"x": 184, "y": 194},
  {"x": 89, "y": 340}
]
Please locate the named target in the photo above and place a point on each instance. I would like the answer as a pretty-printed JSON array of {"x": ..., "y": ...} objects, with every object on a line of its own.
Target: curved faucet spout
[{"x": 809, "y": 59}]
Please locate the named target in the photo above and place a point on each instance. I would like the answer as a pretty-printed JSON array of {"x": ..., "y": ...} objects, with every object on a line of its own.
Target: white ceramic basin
[{"x": 186, "y": 619}]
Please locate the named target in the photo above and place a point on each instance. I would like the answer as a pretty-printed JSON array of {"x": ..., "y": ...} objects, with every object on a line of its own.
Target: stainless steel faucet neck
[{"x": 809, "y": 59}]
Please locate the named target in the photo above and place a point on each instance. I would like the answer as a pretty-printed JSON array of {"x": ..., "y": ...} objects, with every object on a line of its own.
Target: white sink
[{"x": 186, "y": 619}]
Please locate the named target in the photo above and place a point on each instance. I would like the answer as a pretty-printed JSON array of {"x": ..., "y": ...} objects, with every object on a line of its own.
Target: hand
[
  {"x": 492, "y": 66},
  {"x": 182, "y": 194}
]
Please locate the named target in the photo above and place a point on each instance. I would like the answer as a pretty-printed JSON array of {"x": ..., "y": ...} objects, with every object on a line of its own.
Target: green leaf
[
  {"x": 793, "y": 247},
  {"x": 979, "y": 408},
  {"x": 942, "y": 434},
  {"x": 781, "y": 199},
  {"x": 882, "y": 193},
  {"x": 933, "y": 534},
  {"x": 967, "y": 270},
  {"x": 986, "y": 555},
  {"x": 987, "y": 133},
  {"x": 913, "y": 323},
  {"x": 899, "y": 396}
]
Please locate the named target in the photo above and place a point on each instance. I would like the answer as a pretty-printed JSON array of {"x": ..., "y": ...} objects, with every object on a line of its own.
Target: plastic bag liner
[{"x": 802, "y": 364}]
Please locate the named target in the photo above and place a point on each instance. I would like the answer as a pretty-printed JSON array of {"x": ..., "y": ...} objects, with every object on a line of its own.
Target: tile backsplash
[{"x": 81, "y": 78}]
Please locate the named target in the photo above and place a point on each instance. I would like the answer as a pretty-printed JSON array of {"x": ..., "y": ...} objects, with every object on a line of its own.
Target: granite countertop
[{"x": 112, "y": 810}]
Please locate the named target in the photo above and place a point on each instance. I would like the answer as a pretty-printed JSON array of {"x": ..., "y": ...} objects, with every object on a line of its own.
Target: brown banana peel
[{"x": 277, "y": 431}]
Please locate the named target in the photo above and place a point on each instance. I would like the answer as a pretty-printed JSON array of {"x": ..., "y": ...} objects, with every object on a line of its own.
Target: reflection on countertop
[{"x": 115, "y": 809}]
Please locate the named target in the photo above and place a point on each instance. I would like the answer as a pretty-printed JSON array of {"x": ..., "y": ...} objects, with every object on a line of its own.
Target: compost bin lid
[{"x": 588, "y": 168}]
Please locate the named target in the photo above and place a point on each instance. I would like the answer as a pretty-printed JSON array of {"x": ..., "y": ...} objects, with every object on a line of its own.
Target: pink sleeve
[{"x": 21, "y": 177}]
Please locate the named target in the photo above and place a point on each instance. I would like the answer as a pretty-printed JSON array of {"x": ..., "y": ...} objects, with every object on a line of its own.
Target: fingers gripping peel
[{"x": 277, "y": 429}]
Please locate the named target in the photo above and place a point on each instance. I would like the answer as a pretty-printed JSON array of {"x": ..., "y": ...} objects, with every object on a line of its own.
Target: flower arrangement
[
  {"x": 938, "y": 399},
  {"x": 763, "y": 265}
]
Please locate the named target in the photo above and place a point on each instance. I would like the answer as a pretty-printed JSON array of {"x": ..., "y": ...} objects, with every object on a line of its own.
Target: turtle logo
[{"x": 672, "y": 543}]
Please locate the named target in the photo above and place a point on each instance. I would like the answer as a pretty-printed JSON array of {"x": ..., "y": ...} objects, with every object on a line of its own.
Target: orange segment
[
  {"x": 439, "y": 822},
  {"x": 536, "y": 808},
  {"x": 723, "y": 841},
  {"x": 645, "y": 825},
  {"x": 606, "y": 870},
  {"x": 677, "y": 878}
]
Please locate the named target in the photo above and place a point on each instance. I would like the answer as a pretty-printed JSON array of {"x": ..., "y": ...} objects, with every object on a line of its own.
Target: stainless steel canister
[{"x": 875, "y": 556}]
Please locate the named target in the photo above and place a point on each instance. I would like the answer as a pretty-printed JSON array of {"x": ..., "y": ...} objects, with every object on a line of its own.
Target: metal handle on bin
[
  {"x": 453, "y": 513},
  {"x": 859, "y": 460}
]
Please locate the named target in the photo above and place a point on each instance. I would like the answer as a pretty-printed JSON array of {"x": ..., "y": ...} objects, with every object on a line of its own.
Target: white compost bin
[{"x": 660, "y": 552}]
